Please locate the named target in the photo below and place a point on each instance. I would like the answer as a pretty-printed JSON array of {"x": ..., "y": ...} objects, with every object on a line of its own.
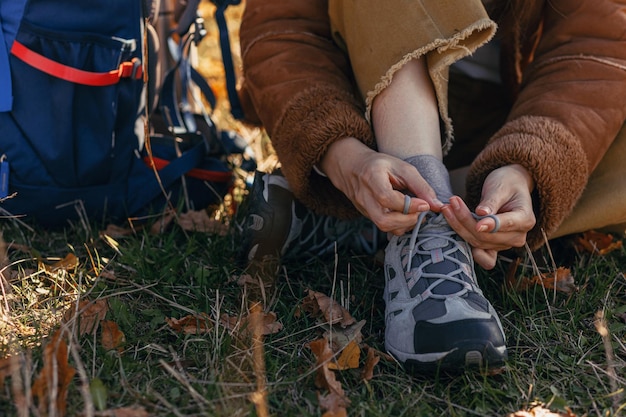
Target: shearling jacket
[{"x": 564, "y": 68}]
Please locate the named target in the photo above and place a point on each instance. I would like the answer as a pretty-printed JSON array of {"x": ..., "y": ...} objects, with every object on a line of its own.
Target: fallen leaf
[
  {"x": 199, "y": 221},
  {"x": 560, "y": 280},
  {"x": 325, "y": 378},
  {"x": 99, "y": 393},
  {"x": 340, "y": 337},
  {"x": 5, "y": 369},
  {"x": 116, "y": 231},
  {"x": 54, "y": 361},
  {"x": 90, "y": 314},
  {"x": 68, "y": 263},
  {"x": 597, "y": 243},
  {"x": 112, "y": 336},
  {"x": 539, "y": 411},
  {"x": 372, "y": 359},
  {"x": 243, "y": 324},
  {"x": 334, "y": 405},
  {"x": 318, "y": 304},
  {"x": 162, "y": 223},
  {"x": 191, "y": 324},
  {"x": 348, "y": 358}
]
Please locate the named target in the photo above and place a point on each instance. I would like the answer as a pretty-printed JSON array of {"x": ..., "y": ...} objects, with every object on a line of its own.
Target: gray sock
[{"x": 435, "y": 173}]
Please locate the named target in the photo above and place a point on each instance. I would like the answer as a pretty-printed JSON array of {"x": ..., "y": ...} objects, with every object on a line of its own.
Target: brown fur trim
[
  {"x": 314, "y": 120},
  {"x": 551, "y": 154}
]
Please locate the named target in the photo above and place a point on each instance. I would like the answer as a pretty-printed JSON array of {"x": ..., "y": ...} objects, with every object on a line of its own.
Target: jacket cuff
[
  {"x": 552, "y": 156},
  {"x": 314, "y": 120}
]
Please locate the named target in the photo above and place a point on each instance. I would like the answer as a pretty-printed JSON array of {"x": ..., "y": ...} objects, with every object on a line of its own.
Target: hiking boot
[
  {"x": 276, "y": 226},
  {"x": 436, "y": 315}
]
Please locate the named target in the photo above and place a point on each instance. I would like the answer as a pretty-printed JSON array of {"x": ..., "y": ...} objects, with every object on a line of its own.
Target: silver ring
[
  {"x": 493, "y": 216},
  {"x": 407, "y": 204}
]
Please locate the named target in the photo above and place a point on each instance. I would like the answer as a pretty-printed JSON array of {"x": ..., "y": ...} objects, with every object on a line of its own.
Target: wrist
[{"x": 336, "y": 154}]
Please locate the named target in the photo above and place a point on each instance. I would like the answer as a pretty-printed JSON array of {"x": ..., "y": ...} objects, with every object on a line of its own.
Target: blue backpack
[{"x": 75, "y": 94}]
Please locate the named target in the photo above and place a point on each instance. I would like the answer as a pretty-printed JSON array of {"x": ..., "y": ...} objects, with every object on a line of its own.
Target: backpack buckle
[{"x": 131, "y": 69}]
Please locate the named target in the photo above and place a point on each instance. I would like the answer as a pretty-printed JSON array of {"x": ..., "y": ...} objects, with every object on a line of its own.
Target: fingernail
[
  {"x": 423, "y": 207},
  {"x": 455, "y": 203},
  {"x": 484, "y": 209},
  {"x": 482, "y": 228}
]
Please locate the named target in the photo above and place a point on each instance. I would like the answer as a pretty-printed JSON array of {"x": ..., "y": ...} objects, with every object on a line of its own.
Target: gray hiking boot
[
  {"x": 276, "y": 226},
  {"x": 436, "y": 315}
]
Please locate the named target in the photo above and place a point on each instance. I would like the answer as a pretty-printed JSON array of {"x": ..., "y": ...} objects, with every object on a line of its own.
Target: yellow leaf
[{"x": 348, "y": 359}]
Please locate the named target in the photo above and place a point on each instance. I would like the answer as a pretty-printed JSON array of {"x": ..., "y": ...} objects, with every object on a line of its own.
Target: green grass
[{"x": 557, "y": 356}]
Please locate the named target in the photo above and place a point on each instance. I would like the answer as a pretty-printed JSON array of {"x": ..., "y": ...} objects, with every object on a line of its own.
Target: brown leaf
[
  {"x": 597, "y": 243},
  {"x": 199, "y": 221},
  {"x": 191, "y": 324},
  {"x": 367, "y": 373},
  {"x": 117, "y": 231},
  {"x": 243, "y": 324},
  {"x": 5, "y": 369},
  {"x": 348, "y": 359},
  {"x": 320, "y": 305},
  {"x": 112, "y": 336},
  {"x": 340, "y": 337},
  {"x": 325, "y": 378},
  {"x": 54, "y": 360},
  {"x": 334, "y": 405},
  {"x": 539, "y": 411},
  {"x": 560, "y": 280},
  {"x": 90, "y": 314},
  {"x": 70, "y": 262}
]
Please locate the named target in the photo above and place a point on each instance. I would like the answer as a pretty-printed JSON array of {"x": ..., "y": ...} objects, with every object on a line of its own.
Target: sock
[{"x": 435, "y": 173}]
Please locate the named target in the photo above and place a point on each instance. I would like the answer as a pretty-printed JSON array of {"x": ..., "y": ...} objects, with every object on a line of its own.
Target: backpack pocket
[{"x": 82, "y": 135}]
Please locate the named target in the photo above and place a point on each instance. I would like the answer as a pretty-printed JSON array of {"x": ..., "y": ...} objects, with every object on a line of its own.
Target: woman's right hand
[{"x": 377, "y": 183}]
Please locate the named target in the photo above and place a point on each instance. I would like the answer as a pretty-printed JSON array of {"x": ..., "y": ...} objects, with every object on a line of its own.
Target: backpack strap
[
  {"x": 130, "y": 69},
  {"x": 229, "y": 68},
  {"x": 168, "y": 174}
]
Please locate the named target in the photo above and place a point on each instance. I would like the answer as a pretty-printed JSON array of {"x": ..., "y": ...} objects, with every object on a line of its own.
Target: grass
[
  {"x": 558, "y": 357},
  {"x": 567, "y": 351}
]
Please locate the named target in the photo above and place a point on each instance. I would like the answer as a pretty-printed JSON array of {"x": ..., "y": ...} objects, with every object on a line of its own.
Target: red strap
[
  {"x": 201, "y": 174},
  {"x": 132, "y": 69}
]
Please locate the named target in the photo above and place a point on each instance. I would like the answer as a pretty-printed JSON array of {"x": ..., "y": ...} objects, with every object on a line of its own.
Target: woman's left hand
[{"x": 506, "y": 193}]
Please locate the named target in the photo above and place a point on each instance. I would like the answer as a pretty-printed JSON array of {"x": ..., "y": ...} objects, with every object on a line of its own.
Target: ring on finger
[{"x": 407, "y": 204}]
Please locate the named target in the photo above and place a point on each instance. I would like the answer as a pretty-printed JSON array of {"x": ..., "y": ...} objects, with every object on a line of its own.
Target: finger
[
  {"x": 408, "y": 177},
  {"x": 485, "y": 258}
]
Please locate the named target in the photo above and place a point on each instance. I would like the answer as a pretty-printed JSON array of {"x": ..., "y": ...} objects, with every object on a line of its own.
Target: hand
[
  {"x": 376, "y": 184},
  {"x": 506, "y": 193}
]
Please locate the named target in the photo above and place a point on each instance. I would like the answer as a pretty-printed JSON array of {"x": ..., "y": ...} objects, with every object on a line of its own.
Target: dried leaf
[
  {"x": 112, "y": 336},
  {"x": 90, "y": 314},
  {"x": 116, "y": 231},
  {"x": 54, "y": 360},
  {"x": 243, "y": 324},
  {"x": 367, "y": 373},
  {"x": 320, "y": 305},
  {"x": 334, "y": 405},
  {"x": 348, "y": 359},
  {"x": 5, "y": 369},
  {"x": 70, "y": 262},
  {"x": 192, "y": 324},
  {"x": 597, "y": 243},
  {"x": 340, "y": 337},
  {"x": 325, "y": 378},
  {"x": 539, "y": 411},
  {"x": 560, "y": 280},
  {"x": 199, "y": 221}
]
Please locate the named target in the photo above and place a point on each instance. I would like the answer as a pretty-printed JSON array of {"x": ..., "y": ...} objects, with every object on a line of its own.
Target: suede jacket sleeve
[
  {"x": 571, "y": 106},
  {"x": 299, "y": 83}
]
